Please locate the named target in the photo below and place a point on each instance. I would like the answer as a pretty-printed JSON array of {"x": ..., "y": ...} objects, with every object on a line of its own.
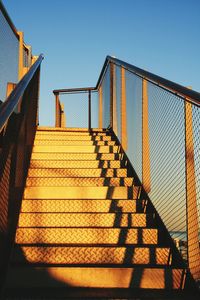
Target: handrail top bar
[
  {"x": 85, "y": 89},
  {"x": 8, "y": 19},
  {"x": 175, "y": 88},
  {"x": 8, "y": 106}
]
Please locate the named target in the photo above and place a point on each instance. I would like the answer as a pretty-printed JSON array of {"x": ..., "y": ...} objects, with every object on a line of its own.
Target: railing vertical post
[
  {"x": 111, "y": 95},
  {"x": 21, "y": 55},
  {"x": 123, "y": 110},
  {"x": 114, "y": 101},
  {"x": 57, "y": 110},
  {"x": 89, "y": 109},
  {"x": 100, "y": 108},
  {"x": 191, "y": 198},
  {"x": 145, "y": 139}
]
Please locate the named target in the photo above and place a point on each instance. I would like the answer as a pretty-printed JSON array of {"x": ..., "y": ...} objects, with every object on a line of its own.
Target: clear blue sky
[{"x": 161, "y": 36}]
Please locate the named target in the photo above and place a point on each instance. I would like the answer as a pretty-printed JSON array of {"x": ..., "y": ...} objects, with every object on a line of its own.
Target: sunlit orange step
[
  {"x": 53, "y": 172},
  {"x": 117, "y": 219},
  {"x": 138, "y": 277},
  {"x": 79, "y": 164},
  {"x": 86, "y": 236},
  {"x": 74, "y": 205},
  {"x": 65, "y": 137},
  {"x": 78, "y": 181},
  {"x": 71, "y": 131},
  {"x": 76, "y": 156},
  {"x": 56, "y": 143},
  {"x": 77, "y": 149},
  {"x": 62, "y": 192},
  {"x": 92, "y": 255}
]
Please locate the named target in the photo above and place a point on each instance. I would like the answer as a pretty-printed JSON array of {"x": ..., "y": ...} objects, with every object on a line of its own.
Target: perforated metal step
[
  {"x": 78, "y": 181},
  {"x": 111, "y": 220},
  {"x": 76, "y": 156},
  {"x": 73, "y": 143},
  {"x": 84, "y": 192},
  {"x": 84, "y": 236},
  {"x": 117, "y": 277},
  {"x": 54, "y": 172},
  {"x": 77, "y": 149},
  {"x": 79, "y": 164},
  {"x": 71, "y": 255},
  {"x": 74, "y": 205}
]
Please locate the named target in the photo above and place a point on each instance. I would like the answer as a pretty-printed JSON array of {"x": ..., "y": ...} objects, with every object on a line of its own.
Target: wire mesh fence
[
  {"x": 8, "y": 55},
  {"x": 106, "y": 98},
  {"x": 78, "y": 111},
  {"x": 172, "y": 137}
]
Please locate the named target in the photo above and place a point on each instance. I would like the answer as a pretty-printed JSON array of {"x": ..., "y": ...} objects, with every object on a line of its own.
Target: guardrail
[{"x": 157, "y": 122}]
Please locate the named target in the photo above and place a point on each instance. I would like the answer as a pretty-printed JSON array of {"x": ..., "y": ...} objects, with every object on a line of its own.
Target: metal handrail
[
  {"x": 175, "y": 88},
  {"x": 7, "y": 107},
  {"x": 74, "y": 90}
]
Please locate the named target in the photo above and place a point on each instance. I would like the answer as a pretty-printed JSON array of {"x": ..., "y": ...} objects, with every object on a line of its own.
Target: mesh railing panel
[
  {"x": 94, "y": 109},
  {"x": 75, "y": 106},
  {"x": 118, "y": 100},
  {"x": 170, "y": 187},
  {"x": 196, "y": 145},
  {"x": 134, "y": 121},
  {"x": 8, "y": 56},
  {"x": 196, "y": 140},
  {"x": 76, "y": 109},
  {"x": 106, "y": 98},
  {"x": 25, "y": 57},
  {"x": 167, "y": 157}
]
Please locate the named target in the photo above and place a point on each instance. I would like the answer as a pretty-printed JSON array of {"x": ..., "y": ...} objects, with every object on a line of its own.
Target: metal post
[
  {"x": 111, "y": 95},
  {"x": 191, "y": 197},
  {"x": 145, "y": 139},
  {"x": 89, "y": 109},
  {"x": 100, "y": 108},
  {"x": 57, "y": 110},
  {"x": 123, "y": 110},
  {"x": 21, "y": 54},
  {"x": 114, "y": 102}
]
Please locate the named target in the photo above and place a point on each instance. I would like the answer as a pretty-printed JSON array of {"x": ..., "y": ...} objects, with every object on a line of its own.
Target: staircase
[{"x": 84, "y": 223}]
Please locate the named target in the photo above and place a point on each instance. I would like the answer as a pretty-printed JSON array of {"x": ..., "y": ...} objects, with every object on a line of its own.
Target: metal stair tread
[
  {"x": 79, "y": 181},
  {"x": 77, "y": 149},
  {"x": 100, "y": 255},
  {"x": 81, "y": 172},
  {"x": 74, "y": 143},
  {"x": 116, "y": 220},
  {"x": 106, "y": 277},
  {"x": 87, "y": 235},
  {"x": 81, "y": 205},
  {"x": 90, "y": 164},
  {"x": 76, "y": 156},
  {"x": 103, "y": 192}
]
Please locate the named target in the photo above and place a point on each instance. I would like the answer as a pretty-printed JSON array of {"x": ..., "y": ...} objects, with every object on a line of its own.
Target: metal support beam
[
  {"x": 57, "y": 111},
  {"x": 146, "y": 179},
  {"x": 123, "y": 110},
  {"x": 114, "y": 101},
  {"x": 191, "y": 197},
  {"x": 21, "y": 59},
  {"x": 111, "y": 95},
  {"x": 89, "y": 109}
]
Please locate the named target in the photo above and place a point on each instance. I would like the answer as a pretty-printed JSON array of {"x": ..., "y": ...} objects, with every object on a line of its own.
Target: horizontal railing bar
[
  {"x": 8, "y": 19},
  {"x": 74, "y": 90},
  {"x": 8, "y": 106},
  {"x": 176, "y": 88}
]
